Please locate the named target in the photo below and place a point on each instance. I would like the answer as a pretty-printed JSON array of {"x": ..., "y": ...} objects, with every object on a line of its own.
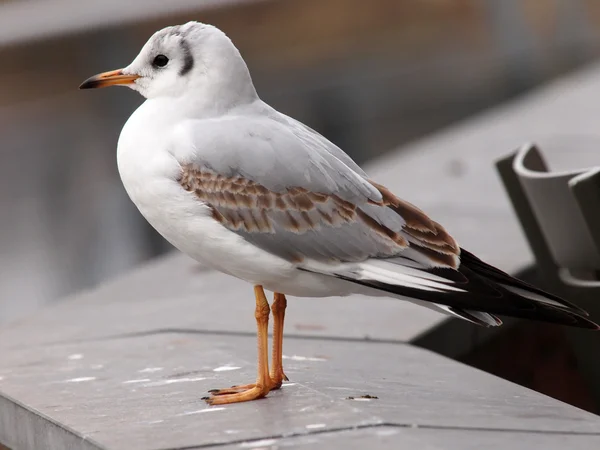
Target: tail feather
[
  {"x": 475, "y": 291},
  {"x": 477, "y": 317},
  {"x": 515, "y": 285}
]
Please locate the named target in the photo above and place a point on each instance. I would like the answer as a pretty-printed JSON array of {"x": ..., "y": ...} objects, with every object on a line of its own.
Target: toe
[
  {"x": 233, "y": 395},
  {"x": 232, "y": 390}
]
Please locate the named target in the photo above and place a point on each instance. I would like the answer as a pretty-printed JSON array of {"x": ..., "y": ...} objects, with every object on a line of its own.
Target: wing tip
[
  {"x": 520, "y": 288},
  {"x": 480, "y": 318},
  {"x": 576, "y": 320}
]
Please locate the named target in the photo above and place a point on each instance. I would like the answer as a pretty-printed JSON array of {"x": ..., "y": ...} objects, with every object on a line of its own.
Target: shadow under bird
[{"x": 251, "y": 192}]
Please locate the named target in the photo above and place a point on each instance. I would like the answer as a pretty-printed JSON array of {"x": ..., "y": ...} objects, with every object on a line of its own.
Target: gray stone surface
[
  {"x": 390, "y": 437},
  {"x": 174, "y": 292},
  {"x": 145, "y": 391}
]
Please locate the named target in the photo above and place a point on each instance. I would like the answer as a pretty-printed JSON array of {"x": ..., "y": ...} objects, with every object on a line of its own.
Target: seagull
[{"x": 253, "y": 193}]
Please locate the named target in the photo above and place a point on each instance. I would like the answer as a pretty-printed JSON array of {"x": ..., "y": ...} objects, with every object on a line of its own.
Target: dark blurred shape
[
  {"x": 539, "y": 357},
  {"x": 559, "y": 211}
]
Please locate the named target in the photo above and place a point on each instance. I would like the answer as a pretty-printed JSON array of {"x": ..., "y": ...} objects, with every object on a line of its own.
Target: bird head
[{"x": 182, "y": 60}]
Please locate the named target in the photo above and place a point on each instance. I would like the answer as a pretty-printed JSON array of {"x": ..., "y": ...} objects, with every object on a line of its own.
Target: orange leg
[
  {"x": 278, "y": 310},
  {"x": 277, "y": 375},
  {"x": 263, "y": 381}
]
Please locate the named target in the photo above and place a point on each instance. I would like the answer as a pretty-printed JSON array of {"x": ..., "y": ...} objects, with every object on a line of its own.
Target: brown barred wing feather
[
  {"x": 294, "y": 223},
  {"x": 426, "y": 237}
]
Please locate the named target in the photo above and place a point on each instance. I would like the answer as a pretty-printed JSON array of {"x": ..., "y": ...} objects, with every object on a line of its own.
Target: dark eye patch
[{"x": 188, "y": 59}]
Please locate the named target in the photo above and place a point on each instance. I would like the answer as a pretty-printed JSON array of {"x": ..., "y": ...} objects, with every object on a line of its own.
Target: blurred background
[{"x": 369, "y": 75}]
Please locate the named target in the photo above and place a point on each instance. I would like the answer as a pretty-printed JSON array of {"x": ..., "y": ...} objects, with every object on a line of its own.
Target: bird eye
[{"x": 160, "y": 61}]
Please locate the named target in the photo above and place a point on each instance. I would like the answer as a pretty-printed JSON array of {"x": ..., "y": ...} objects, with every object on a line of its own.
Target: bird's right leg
[
  {"x": 263, "y": 384},
  {"x": 278, "y": 310}
]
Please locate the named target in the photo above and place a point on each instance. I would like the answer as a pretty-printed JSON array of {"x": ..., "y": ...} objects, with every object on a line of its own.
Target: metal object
[{"x": 560, "y": 215}]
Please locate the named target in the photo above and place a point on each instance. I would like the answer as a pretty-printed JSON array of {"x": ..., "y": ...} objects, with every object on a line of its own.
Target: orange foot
[
  {"x": 236, "y": 394},
  {"x": 265, "y": 382},
  {"x": 245, "y": 392}
]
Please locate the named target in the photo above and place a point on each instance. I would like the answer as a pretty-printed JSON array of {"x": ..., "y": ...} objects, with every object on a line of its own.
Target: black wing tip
[
  {"x": 571, "y": 319},
  {"x": 485, "y": 295},
  {"x": 556, "y": 317},
  {"x": 496, "y": 275},
  {"x": 538, "y": 312},
  {"x": 467, "y": 315}
]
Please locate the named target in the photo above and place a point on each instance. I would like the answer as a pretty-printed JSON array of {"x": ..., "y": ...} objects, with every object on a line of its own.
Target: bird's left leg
[
  {"x": 263, "y": 381},
  {"x": 278, "y": 310}
]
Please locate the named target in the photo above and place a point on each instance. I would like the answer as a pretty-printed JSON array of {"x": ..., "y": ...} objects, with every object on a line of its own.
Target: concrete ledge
[
  {"x": 393, "y": 437},
  {"x": 144, "y": 392},
  {"x": 176, "y": 293},
  {"x": 20, "y": 427}
]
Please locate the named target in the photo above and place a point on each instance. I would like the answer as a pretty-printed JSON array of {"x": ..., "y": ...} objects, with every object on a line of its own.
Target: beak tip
[
  {"x": 112, "y": 78},
  {"x": 90, "y": 83}
]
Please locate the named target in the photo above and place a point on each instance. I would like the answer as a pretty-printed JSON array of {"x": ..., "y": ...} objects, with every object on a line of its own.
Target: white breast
[{"x": 149, "y": 172}]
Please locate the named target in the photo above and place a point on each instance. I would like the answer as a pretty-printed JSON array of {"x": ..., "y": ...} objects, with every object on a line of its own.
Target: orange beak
[{"x": 112, "y": 78}]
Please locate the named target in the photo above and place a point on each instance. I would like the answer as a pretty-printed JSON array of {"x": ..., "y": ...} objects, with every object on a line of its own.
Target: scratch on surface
[
  {"x": 75, "y": 356},
  {"x": 141, "y": 380},
  {"x": 176, "y": 380},
  {"x": 261, "y": 443},
  {"x": 225, "y": 368},
  {"x": 315, "y": 426},
  {"x": 79, "y": 380},
  {"x": 289, "y": 384},
  {"x": 303, "y": 358},
  {"x": 63, "y": 408},
  {"x": 200, "y": 411},
  {"x": 150, "y": 370},
  {"x": 387, "y": 432}
]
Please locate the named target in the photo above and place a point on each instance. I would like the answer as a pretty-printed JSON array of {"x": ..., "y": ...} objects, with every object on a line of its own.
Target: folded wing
[{"x": 282, "y": 189}]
